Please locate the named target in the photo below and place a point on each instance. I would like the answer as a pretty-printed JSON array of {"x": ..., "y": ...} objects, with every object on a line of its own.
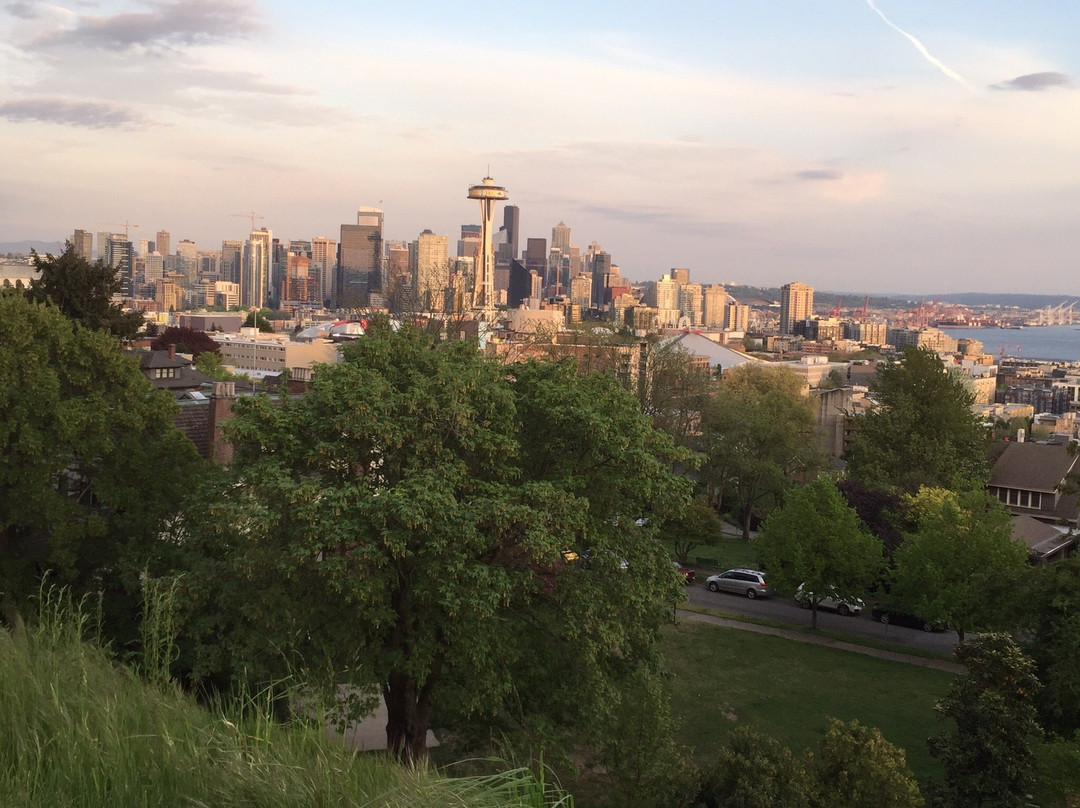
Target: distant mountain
[
  {"x": 855, "y": 300},
  {"x": 24, "y": 247},
  {"x": 1006, "y": 300}
]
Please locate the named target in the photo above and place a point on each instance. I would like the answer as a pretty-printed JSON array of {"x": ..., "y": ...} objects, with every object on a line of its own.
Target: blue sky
[{"x": 890, "y": 146}]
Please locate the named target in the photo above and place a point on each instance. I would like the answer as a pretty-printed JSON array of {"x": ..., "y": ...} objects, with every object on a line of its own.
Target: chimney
[
  {"x": 172, "y": 352},
  {"x": 221, "y": 403},
  {"x": 1020, "y": 435}
]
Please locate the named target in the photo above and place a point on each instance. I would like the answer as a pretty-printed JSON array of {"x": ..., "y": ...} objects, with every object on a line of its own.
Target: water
[{"x": 1054, "y": 342}]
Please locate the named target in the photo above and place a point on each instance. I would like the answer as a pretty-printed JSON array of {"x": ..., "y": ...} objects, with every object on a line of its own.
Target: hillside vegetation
[{"x": 78, "y": 729}]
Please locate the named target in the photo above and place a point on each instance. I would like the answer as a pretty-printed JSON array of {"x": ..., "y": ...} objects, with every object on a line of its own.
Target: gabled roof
[
  {"x": 149, "y": 360},
  {"x": 1042, "y": 540},
  {"x": 699, "y": 345},
  {"x": 1032, "y": 467}
]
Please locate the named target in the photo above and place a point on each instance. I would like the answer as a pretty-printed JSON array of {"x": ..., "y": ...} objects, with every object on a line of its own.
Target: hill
[{"x": 78, "y": 729}]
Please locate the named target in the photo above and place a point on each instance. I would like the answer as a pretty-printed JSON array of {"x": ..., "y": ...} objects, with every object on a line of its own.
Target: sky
[{"x": 912, "y": 147}]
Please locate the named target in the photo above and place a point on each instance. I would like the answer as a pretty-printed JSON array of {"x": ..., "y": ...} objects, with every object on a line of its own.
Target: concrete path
[{"x": 814, "y": 639}]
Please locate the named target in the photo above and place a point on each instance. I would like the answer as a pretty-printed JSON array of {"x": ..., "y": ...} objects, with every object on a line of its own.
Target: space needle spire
[{"x": 484, "y": 293}]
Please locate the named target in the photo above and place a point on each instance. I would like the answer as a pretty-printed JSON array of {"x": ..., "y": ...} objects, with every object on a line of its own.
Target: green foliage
[
  {"x": 209, "y": 363},
  {"x": 84, "y": 292},
  {"x": 960, "y": 565},
  {"x": 672, "y": 390},
  {"x": 833, "y": 381},
  {"x": 1052, "y": 606},
  {"x": 923, "y": 431},
  {"x": 818, "y": 541},
  {"x": 404, "y": 525},
  {"x": 755, "y": 771},
  {"x": 758, "y": 437},
  {"x": 186, "y": 340},
  {"x": 855, "y": 767},
  {"x": 1058, "y": 769},
  {"x": 988, "y": 747},
  {"x": 258, "y": 319},
  {"x": 697, "y": 525},
  {"x": 90, "y": 462},
  {"x": 644, "y": 764},
  {"x": 77, "y": 729}
]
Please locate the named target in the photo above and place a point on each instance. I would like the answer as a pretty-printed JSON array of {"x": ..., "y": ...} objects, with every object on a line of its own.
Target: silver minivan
[{"x": 741, "y": 582}]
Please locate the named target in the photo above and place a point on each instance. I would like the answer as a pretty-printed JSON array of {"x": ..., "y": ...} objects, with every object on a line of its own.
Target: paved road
[{"x": 788, "y": 611}]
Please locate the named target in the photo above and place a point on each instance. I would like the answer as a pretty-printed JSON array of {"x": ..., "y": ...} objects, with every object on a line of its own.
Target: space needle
[{"x": 484, "y": 293}]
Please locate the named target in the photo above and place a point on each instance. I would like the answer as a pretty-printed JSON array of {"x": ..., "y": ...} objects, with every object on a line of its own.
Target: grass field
[{"x": 724, "y": 677}]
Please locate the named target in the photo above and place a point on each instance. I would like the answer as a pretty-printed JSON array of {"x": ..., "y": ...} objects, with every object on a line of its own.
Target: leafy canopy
[
  {"x": 90, "y": 463},
  {"x": 987, "y": 747},
  {"x": 923, "y": 431},
  {"x": 406, "y": 525},
  {"x": 758, "y": 437},
  {"x": 84, "y": 292},
  {"x": 960, "y": 563},
  {"x": 817, "y": 540}
]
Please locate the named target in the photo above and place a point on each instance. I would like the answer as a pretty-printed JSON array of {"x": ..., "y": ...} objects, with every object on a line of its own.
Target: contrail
[{"x": 952, "y": 74}]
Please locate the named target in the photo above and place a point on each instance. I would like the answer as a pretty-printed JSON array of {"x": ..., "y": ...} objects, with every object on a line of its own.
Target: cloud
[
  {"x": 89, "y": 114},
  {"x": 182, "y": 22},
  {"x": 1033, "y": 82},
  {"x": 820, "y": 174},
  {"x": 24, "y": 11}
]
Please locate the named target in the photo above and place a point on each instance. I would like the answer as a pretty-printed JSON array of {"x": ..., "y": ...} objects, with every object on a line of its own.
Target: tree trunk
[
  {"x": 813, "y": 614},
  {"x": 749, "y": 512},
  {"x": 408, "y": 711}
]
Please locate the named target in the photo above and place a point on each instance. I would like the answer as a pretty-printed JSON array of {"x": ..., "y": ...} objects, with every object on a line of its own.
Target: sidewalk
[{"x": 813, "y": 639}]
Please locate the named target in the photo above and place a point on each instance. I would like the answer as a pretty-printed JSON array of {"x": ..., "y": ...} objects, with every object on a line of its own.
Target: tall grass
[{"x": 77, "y": 729}]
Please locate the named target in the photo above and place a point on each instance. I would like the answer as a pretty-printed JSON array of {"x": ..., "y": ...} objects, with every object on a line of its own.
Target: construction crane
[
  {"x": 253, "y": 216},
  {"x": 125, "y": 224},
  {"x": 836, "y": 309},
  {"x": 865, "y": 306}
]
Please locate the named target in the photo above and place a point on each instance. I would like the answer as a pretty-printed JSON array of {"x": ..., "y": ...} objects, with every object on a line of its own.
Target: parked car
[
  {"x": 885, "y": 614},
  {"x": 741, "y": 582},
  {"x": 689, "y": 575},
  {"x": 843, "y": 606}
]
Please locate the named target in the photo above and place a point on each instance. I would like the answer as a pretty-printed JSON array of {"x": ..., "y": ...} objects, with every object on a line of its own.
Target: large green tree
[
  {"x": 90, "y": 463},
  {"x": 758, "y": 438},
  {"x": 83, "y": 291},
  {"x": 1052, "y": 638},
  {"x": 960, "y": 565},
  {"x": 818, "y": 541},
  {"x": 988, "y": 746},
  {"x": 923, "y": 431},
  {"x": 407, "y": 524}
]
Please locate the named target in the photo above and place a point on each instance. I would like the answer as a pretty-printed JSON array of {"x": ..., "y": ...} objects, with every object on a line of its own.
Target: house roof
[
  {"x": 1032, "y": 466},
  {"x": 1041, "y": 539},
  {"x": 149, "y": 360},
  {"x": 699, "y": 345}
]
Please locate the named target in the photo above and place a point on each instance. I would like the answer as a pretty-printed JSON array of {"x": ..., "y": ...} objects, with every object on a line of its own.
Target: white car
[{"x": 843, "y": 606}]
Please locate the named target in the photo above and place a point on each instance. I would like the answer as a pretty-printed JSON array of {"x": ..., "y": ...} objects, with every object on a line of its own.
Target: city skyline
[{"x": 896, "y": 147}]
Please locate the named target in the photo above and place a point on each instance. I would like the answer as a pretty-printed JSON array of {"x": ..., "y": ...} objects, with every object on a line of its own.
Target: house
[{"x": 1035, "y": 481}]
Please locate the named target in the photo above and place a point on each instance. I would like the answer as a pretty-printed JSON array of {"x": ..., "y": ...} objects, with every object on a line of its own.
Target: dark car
[{"x": 888, "y": 615}]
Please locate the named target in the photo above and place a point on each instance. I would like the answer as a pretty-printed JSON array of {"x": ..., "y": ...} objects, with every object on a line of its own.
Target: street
[{"x": 784, "y": 610}]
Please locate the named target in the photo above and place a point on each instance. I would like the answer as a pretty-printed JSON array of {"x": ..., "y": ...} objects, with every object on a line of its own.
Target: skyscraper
[
  {"x": 255, "y": 274},
  {"x": 161, "y": 243},
  {"x": 796, "y": 305},
  {"x": 232, "y": 255},
  {"x": 83, "y": 242},
  {"x": 324, "y": 261},
  {"x": 188, "y": 253},
  {"x": 359, "y": 271},
  {"x": 431, "y": 273}
]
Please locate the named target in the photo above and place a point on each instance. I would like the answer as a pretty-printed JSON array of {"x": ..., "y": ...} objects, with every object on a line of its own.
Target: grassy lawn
[
  {"x": 728, "y": 552},
  {"x": 724, "y": 677}
]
